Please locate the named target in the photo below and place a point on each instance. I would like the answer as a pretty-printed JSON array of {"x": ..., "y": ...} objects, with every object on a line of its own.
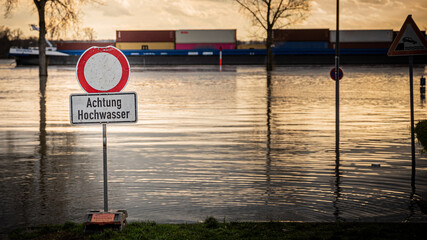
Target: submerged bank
[{"x": 212, "y": 229}]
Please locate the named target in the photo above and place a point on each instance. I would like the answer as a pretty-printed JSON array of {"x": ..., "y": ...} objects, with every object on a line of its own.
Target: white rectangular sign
[{"x": 103, "y": 108}]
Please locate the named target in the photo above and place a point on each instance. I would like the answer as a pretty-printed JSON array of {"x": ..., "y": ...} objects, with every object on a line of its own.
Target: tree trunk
[
  {"x": 269, "y": 51},
  {"x": 42, "y": 37}
]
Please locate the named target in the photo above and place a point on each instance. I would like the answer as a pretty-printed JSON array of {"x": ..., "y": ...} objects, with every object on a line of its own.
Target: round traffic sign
[
  {"x": 102, "y": 69},
  {"x": 333, "y": 72}
]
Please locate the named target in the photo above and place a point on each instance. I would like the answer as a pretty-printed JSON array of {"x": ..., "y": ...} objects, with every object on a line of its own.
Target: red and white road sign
[
  {"x": 409, "y": 40},
  {"x": 333, "y": 73},
  {"x": 102, "y": 69}
]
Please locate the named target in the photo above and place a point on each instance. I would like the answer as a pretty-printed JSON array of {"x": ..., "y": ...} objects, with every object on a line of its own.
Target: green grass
[{"x": 212, "y": 229}]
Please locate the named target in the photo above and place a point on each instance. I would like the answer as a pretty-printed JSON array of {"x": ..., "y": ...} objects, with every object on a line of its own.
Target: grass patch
[{"x": 212, "y": 229}]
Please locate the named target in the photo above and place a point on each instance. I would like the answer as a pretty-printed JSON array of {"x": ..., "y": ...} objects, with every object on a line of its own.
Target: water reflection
[
  {"x": 43, "y": 161},
  {"x": 268, "y": 145},
  {"x": 239, "y": 144},
  {"x": 337, "y": 190},
  {"x": 42, "y": 129}
]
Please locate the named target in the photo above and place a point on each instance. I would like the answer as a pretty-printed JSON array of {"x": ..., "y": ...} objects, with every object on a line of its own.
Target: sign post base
[{"x": 97, "y": 221}]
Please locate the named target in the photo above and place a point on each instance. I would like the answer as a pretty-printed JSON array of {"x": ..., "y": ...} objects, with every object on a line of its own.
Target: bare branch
[
  {"x": 252, "y": 12},
  {"x": 9, "y": 6},
  {"x": 276, "y": 12},
  {"x": 260, "y": 12},
  {"x": 272, "y": 13},
  {"x": 60, "y": 15}
]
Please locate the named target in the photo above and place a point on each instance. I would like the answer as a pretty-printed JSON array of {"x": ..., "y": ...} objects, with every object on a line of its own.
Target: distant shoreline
[
  {"x": 315, "y": 59},
  {"x": 214, "y": 229}
]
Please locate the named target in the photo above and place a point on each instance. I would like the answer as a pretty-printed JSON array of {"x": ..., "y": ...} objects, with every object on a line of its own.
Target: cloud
[
  {"x": 210, "y": 14},
  {"x": 114, "y": 9},
  {"x": 421, "y": 5},
  {"x": 374, "y": 2},
  {"x": 365, "y": 14}
]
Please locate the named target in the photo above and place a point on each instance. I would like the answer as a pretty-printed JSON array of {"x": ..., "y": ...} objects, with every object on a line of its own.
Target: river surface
[{"x": 237, "y": 145}]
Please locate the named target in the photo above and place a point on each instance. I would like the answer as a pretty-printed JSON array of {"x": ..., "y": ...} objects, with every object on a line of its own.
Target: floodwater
[{"x": 238, "y": 145}]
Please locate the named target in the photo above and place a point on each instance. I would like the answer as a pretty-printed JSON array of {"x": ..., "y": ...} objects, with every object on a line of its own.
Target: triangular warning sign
[{"x": 409, "y": 40}]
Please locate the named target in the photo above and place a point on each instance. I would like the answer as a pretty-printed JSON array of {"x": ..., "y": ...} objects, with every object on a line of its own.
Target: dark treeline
[{"x": 14, "y": 38}]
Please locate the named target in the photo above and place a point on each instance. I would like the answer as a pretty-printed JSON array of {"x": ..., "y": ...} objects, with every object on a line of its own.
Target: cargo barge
[
  {"x": 235, "y": 57},
  {"x": 202, "y": 47}
]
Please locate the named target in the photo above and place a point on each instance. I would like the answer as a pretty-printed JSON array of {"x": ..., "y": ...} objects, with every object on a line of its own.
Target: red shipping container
[
  {"x": 194, "y": 46},
  {"x": 295, "y": 35},
  {"x": 82, "y": 45},
  {"x": 145, "y": 36}
]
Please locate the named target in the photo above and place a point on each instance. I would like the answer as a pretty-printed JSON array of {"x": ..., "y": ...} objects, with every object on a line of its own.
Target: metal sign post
[
  {"x": 103, "y": 72},
  {"x": 337, "y": 83},
  {"x": 220, "y": 59},
  {"x": 104, "y": 148},
  {"x": 411, "y": 93},
  {"x": 409, "y": 42}
]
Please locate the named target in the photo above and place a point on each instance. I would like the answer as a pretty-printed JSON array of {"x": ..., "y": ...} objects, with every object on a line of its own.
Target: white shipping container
[
  {"x": 205, "y": 36},
  {"x": 363, "y": 36}
]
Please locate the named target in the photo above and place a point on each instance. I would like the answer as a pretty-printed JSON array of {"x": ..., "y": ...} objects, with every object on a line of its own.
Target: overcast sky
[{"x": 224, "y": 14}]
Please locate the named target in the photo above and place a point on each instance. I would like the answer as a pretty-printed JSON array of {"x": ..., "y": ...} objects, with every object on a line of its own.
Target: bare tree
[
  {"x": 16, "y": 34},
  {"x": 54, "y": 16},
  {"x": 89, "y": 34},
  {"x": 270, "y": 14}
]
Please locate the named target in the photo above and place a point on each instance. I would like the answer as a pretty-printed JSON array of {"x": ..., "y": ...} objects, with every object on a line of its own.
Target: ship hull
[{"x": 235, "y": 60}]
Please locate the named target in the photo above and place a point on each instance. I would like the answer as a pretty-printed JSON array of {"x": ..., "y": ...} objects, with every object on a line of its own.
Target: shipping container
[
  {"x": 251, "y": 46},
  {"x": 193, "y": 46},
  {"x": 145, "y": 36},
  {"x": 361, "y": 45},
  {"x": 205, "y": 36},
  {"x": 301, "y": 45},
  {"x": 353, "y": 36},
  {"x": 295, "y": 35},
  {"x": 145, "y": 45},
  {"x": 82, "y": 45}
]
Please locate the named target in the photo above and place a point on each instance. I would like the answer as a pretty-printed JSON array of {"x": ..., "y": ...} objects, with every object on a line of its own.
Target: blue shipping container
[{"x": 301, "y": 45}]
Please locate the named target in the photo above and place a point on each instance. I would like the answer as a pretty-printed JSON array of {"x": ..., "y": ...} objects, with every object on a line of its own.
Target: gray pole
[
  {"x": 411, "y": 92},
  {"x": 104, "y": 143},
  {"x": 337, "y": 83}
]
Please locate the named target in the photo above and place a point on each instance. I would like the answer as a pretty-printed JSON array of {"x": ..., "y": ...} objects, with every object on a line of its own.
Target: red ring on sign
[
  {"x": 333, "y": 72},
  {"x": 94, "y": 50}
]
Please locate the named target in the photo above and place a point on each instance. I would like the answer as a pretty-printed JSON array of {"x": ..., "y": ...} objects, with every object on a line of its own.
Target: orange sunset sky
[{"x": 114, "y": 15}]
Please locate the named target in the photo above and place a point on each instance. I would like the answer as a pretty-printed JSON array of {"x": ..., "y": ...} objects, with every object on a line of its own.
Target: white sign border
[
  {"x": 88, "y": 53},
  {"x": 392, "y": 50},
  {"x": 103, "y": 94}
]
